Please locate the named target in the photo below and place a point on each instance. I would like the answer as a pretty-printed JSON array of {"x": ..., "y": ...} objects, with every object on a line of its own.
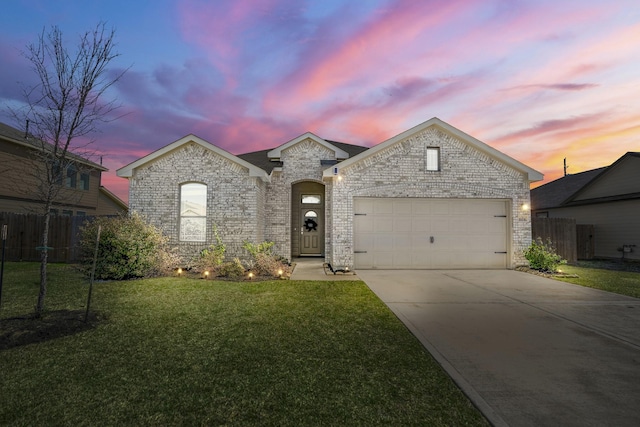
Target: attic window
[{"x": 433, "y": 159}]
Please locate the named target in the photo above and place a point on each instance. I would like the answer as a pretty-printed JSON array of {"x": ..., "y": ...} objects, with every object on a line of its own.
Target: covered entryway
[
  {"x": 424, "y": 233},
  {"x": 307, "y": 219}
]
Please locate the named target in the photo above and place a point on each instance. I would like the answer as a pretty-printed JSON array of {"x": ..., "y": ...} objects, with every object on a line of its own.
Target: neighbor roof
[
  {"x": 18, "y": 137},
  {"x": 556, "y": 192},
  {"x": 563, "y": 191}
]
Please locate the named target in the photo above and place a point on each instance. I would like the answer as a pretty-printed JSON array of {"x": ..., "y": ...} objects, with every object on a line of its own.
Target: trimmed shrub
[
  {"x": 129, "y": 248},
  {"x": 232, "y": 269},
  {"x": 542, "y": 256}
]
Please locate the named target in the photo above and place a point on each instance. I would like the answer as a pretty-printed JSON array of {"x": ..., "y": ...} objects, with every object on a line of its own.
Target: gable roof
[
  {"x": 566, "y": 191},
  {"x": 261, "y": 158},
  {"x": 276, "y": 152},
  {"x": 532, "y": 174},
  {"x": 555, "y": 193},
  {"x": 115, "y": 199},
  {"x": 17, "y": 137},
  {"x": 127, "y": 171}
]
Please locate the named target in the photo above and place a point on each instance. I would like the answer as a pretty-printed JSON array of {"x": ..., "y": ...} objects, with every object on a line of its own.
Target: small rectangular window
[
  {"x": 72, "y": 175},
  {"x": 67, "y": 212},
  {"x": 81, "y": 213},
  {"x": 84, "y": 181},
  {"x": 433, "y": 159},
  {"x": 311, "y": 199}
]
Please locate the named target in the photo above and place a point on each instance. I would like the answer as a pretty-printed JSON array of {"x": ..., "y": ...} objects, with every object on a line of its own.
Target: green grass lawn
[
  {"x": 621, "y": 282},
  {"x": 176, "y": 351}
]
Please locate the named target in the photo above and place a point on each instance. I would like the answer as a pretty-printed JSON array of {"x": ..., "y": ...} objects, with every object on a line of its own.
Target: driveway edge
[{"x": 475, "y": 398}]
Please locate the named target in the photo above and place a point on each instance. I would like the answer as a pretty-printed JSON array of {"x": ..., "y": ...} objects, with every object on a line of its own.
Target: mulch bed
[{"x": 549, "y": 274}]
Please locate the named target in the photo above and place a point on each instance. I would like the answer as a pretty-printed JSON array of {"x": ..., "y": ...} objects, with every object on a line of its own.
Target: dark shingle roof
[
  {"x": 554, "y": 193},
  {"x": 11, "y": 132},
  {"x": 17, "y": 136},
  {"x": 261, "y": 160}
]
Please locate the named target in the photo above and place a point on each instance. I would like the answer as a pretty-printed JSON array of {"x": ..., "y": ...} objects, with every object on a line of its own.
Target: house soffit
[
  {"x": 254, "y": 171},
  {"x": 532, "y": 174},
  {"x": 277, "y": 152}
]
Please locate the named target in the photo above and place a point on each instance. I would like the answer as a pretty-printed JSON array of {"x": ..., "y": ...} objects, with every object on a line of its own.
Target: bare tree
[{"x": 62, "y": 110}]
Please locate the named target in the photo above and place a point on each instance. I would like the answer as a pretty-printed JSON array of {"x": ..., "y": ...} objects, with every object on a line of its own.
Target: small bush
[
  {"x": 129, "y": 248},
  {"x": 542, "y": 256},
  {"x": 264, "y": 262},
  {"x": 233, "y": 269},
  {"x": 260, "y": 248},
  {"x": 212, "y": 257}
]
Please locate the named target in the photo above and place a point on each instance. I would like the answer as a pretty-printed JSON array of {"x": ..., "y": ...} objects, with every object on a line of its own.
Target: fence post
[{"x": 4, "y": 243}]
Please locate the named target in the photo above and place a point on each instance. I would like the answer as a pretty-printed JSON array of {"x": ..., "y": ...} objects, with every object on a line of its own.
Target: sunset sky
[{"x": 539, "y": 80}]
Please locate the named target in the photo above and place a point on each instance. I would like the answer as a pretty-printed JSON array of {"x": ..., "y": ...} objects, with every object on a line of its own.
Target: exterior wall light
[
  {"x": 525, "y": 206},
  {"x": 339, "y": 177}
]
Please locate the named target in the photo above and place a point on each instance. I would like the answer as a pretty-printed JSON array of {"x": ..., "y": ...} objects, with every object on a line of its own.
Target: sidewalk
[{"x": 310, "y": 268}]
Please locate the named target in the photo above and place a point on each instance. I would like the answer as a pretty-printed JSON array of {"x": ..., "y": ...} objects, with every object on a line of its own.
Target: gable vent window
[
  {"x": 193, "y": 212},
  {"x": 433, "y": 158}
]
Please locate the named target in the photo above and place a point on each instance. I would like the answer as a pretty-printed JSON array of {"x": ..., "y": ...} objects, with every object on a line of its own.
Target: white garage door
[{"x": 430, "y": 233}]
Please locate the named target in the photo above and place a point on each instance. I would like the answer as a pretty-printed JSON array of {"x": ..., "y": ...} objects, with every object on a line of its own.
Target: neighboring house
[
  {"x": 81, "y": 192},
  {"x": 430, "y": 197},
  {"x": 607, "y": 198}
]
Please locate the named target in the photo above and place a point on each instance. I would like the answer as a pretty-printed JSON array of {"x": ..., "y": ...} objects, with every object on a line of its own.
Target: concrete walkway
[
  {"x": 528, "y": 351},
  {"x": 310, "y": 268}
]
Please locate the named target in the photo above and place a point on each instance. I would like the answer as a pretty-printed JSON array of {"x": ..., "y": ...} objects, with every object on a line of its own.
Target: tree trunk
[{"x": 44, "y": 255}]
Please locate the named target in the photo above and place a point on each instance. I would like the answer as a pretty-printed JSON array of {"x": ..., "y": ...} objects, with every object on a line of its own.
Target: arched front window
[{"x": 193, "y": 212}]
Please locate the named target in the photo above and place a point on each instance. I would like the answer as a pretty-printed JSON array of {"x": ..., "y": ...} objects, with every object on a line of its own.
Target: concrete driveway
[{"x": 528, "y": 351}]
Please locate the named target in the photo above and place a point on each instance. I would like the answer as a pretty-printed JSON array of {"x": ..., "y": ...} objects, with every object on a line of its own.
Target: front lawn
[
  {"x": 621, "y": 282},
  {"x": 193, "y": 352}
]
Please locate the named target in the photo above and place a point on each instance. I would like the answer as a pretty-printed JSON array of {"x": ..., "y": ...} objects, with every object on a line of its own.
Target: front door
[
  {"x": 307, "y": 219},
  {"x": 311, "y": 234}
]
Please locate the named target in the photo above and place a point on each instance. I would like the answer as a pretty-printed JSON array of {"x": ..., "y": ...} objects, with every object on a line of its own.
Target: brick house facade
[{"x": 430, "y": 197}]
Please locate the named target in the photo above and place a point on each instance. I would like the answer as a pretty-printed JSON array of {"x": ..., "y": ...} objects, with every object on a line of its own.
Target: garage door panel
[
  {"x": 402, "y": 224},
  {"x": 402, "y": 207},
  {"x": 363, "y": 205},
  {"x": 467, "y": 233},
  {"x": 383, "y": 223},
  {"x": 420, "y": 224},
  {"x": 364, "y": 260},
  {"x": 363, "y": 223},
  {"x": 439, "y": 207},
  {"x": 383, "y": 260},
  {"x": 383, "y": 206},
  {"x": 440, "y": 224}
]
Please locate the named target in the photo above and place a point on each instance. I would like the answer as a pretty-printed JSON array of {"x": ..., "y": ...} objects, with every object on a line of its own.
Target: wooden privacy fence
[
  {"x": 24, "y": 236},
  {"x": 561, "y": 232}
]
